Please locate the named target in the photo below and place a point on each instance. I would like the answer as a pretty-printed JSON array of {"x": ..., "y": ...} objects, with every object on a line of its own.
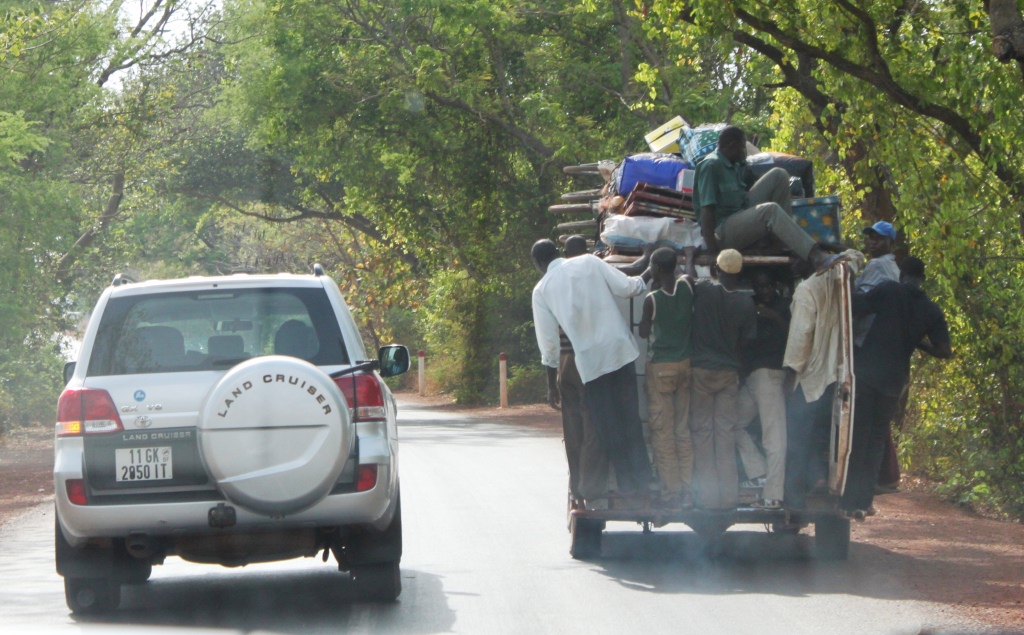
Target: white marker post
[
  {"x": 503, "y": 380},
  {"x": 422, "y": 379}
]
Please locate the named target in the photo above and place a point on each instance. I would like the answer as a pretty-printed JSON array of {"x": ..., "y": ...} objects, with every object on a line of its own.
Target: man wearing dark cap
[
  {"x": 905, "y": 320},
  {"x": 735, "y": 211}
]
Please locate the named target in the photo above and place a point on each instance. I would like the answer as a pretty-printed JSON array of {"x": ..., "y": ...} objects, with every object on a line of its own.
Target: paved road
[{"x": 486, "y": 551}]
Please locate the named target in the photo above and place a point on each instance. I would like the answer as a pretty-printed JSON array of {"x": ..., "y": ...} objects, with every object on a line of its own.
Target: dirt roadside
[{"x": 973, "y": 566}]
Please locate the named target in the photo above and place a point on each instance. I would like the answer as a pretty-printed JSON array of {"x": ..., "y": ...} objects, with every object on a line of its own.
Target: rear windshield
[{"x": 214, "y": 330}]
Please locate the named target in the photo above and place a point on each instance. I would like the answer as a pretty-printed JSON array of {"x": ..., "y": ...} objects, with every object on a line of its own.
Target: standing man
[
  {"x": 811, "y": 361},
  {"x": 879, "y": 240},
  {"x": 721, "y": 318},
  {"x": 905, "y": 320},
  {"x": 578, "y": 295},
  {"x": 588, "y": 461},
  {"x": 763, "y": 395},
  {"x": 735, "y": 211},
  {"x": 667, "y": 319}
]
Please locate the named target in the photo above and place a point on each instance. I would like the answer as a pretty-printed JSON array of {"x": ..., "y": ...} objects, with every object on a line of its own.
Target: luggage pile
[{"x": 648, "y": 197}]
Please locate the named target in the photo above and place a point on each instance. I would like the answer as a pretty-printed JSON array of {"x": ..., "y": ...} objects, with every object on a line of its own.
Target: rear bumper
[{"x": 373, "y": 507}]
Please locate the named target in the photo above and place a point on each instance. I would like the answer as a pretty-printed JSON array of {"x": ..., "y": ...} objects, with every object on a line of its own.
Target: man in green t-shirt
[
  {"x": 667, "y": 319},
  {"x": 736, "y": 211}
]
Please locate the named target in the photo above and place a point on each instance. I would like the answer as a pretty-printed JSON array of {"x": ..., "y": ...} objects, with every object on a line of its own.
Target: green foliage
[
  {"x": 527, "y": 384},
  {"x": 411, "y": 148},
  {"x": 910, "y": 118}
]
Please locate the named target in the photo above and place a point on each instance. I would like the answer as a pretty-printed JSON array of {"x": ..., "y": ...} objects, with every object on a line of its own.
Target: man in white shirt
[
  {"x": 812, "y": 356},
  {"x": 578, "y": 295}
]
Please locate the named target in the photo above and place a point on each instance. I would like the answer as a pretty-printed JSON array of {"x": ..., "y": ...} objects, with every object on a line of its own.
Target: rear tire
[
  {"x": 91, "y": 596},
  {"x": 368, "y": 547},
  {"x": 378, "y": 582},
  {"x": 586, "y": 538},
  {"x": 832, "y": 538}
]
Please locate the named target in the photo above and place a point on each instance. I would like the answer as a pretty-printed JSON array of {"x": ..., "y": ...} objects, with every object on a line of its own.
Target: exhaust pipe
[{"x": 140, "y": 546}]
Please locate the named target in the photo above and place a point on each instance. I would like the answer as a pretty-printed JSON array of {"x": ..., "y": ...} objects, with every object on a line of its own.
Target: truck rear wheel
[
  {"x": 832, "y": 538},
  {"x": 586, "y": 538},
  {"x": 92, "y": 595}
]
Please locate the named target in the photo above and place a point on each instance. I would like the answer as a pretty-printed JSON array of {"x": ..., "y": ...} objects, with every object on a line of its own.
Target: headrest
[
  {"x": 225, "y": 346},
  {"x": 161, "y": 342},
  {"x": 296, "y": 339}
]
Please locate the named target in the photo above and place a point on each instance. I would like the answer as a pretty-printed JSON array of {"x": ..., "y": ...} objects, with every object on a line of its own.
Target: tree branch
[{"x": 110, "y": 212}]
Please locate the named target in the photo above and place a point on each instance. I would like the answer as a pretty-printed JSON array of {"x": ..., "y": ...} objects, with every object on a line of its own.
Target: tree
[{"x": 913, "y": 120}]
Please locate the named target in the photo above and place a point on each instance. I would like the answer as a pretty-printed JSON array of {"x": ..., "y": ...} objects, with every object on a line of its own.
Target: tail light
[
  {"x": 86, "y": 411},
  {"x": 364, "y": 392},
  {"x": 366, "y": 477},
  {"x": 76, "y": 491}
]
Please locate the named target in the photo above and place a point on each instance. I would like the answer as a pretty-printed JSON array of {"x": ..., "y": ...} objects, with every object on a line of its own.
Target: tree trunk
[{"x": 1007, "y": 31}]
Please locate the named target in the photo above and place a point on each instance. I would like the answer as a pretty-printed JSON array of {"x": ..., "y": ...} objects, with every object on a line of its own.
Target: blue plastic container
[{"x": 648, "y": 167}]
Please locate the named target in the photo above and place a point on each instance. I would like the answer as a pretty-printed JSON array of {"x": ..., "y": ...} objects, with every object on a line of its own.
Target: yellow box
[
  {"x": 673, "y": 124},
  {"x": 668, "y": 142}
]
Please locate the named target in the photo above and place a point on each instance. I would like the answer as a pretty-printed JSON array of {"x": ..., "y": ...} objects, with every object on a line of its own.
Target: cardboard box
[
  {"x": 668, "y": 142},
  {"x": 673, "y": 124},
  {"x": 684, "y": 183}
]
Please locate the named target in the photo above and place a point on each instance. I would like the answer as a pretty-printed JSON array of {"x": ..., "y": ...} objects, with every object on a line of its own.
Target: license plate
[{"x": 143, "y": 464}]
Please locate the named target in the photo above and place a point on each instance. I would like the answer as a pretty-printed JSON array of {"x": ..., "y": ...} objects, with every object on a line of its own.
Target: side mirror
[
  {"x": 394, "y": 360},
  {"x": 69, "y": 371}
]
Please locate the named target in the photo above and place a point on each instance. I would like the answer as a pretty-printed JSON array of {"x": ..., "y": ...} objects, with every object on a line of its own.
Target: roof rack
[
  {"x": 121, "y": 278},
  {"x": 318, "y": 270}
]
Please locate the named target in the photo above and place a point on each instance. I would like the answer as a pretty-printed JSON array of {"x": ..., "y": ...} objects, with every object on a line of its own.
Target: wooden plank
[
  {"x": 572, "y": 208},
  {"x": 583, "y": 196},
  {"x": 706, "y": 261},
  {"x": 577, "y": 226},
  {"x": 586, "y": 168}
]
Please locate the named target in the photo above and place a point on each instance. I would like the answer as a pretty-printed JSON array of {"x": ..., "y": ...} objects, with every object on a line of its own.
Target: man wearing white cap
[{"x": 721, "y": 319}]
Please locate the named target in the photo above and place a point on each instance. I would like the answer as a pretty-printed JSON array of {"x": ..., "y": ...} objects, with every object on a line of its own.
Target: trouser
[
  {"x": 873, "y": 412},
  {"x": 808, "y": 431},
  {"x": 889, "y": 474},
  {"x": 770, "y": 213},
  {"x": 668, "y": 391},
  {"x": 712, "y": 424},
  {"x": 588, "y": 463},
  {"x": 613, "y": 408},
  {"x": 762, "y": 395}
]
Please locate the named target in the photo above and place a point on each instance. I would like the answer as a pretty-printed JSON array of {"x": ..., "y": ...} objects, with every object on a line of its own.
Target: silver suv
[{"x": 225, "y": 420}]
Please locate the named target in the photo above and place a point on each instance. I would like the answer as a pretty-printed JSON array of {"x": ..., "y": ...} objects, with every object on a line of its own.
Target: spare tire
[{"x": 274, "y": 434}]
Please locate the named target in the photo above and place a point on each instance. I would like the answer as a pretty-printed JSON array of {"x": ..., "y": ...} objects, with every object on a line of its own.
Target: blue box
[{"x": 819, "y": 217}]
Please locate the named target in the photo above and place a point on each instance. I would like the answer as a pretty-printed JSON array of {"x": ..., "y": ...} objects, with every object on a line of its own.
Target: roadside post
[
  {"x": 421, "y": 379},
  {"x": 503, "y": 380}
]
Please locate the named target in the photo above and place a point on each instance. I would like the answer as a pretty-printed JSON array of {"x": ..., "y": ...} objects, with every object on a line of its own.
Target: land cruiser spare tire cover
[{"x": 274, "y": 434}]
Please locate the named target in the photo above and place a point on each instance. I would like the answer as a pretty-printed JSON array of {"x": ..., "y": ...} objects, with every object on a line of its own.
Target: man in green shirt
[
  {"x": 667, "y": 319},
  {"x": 736, "y": 211}
]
